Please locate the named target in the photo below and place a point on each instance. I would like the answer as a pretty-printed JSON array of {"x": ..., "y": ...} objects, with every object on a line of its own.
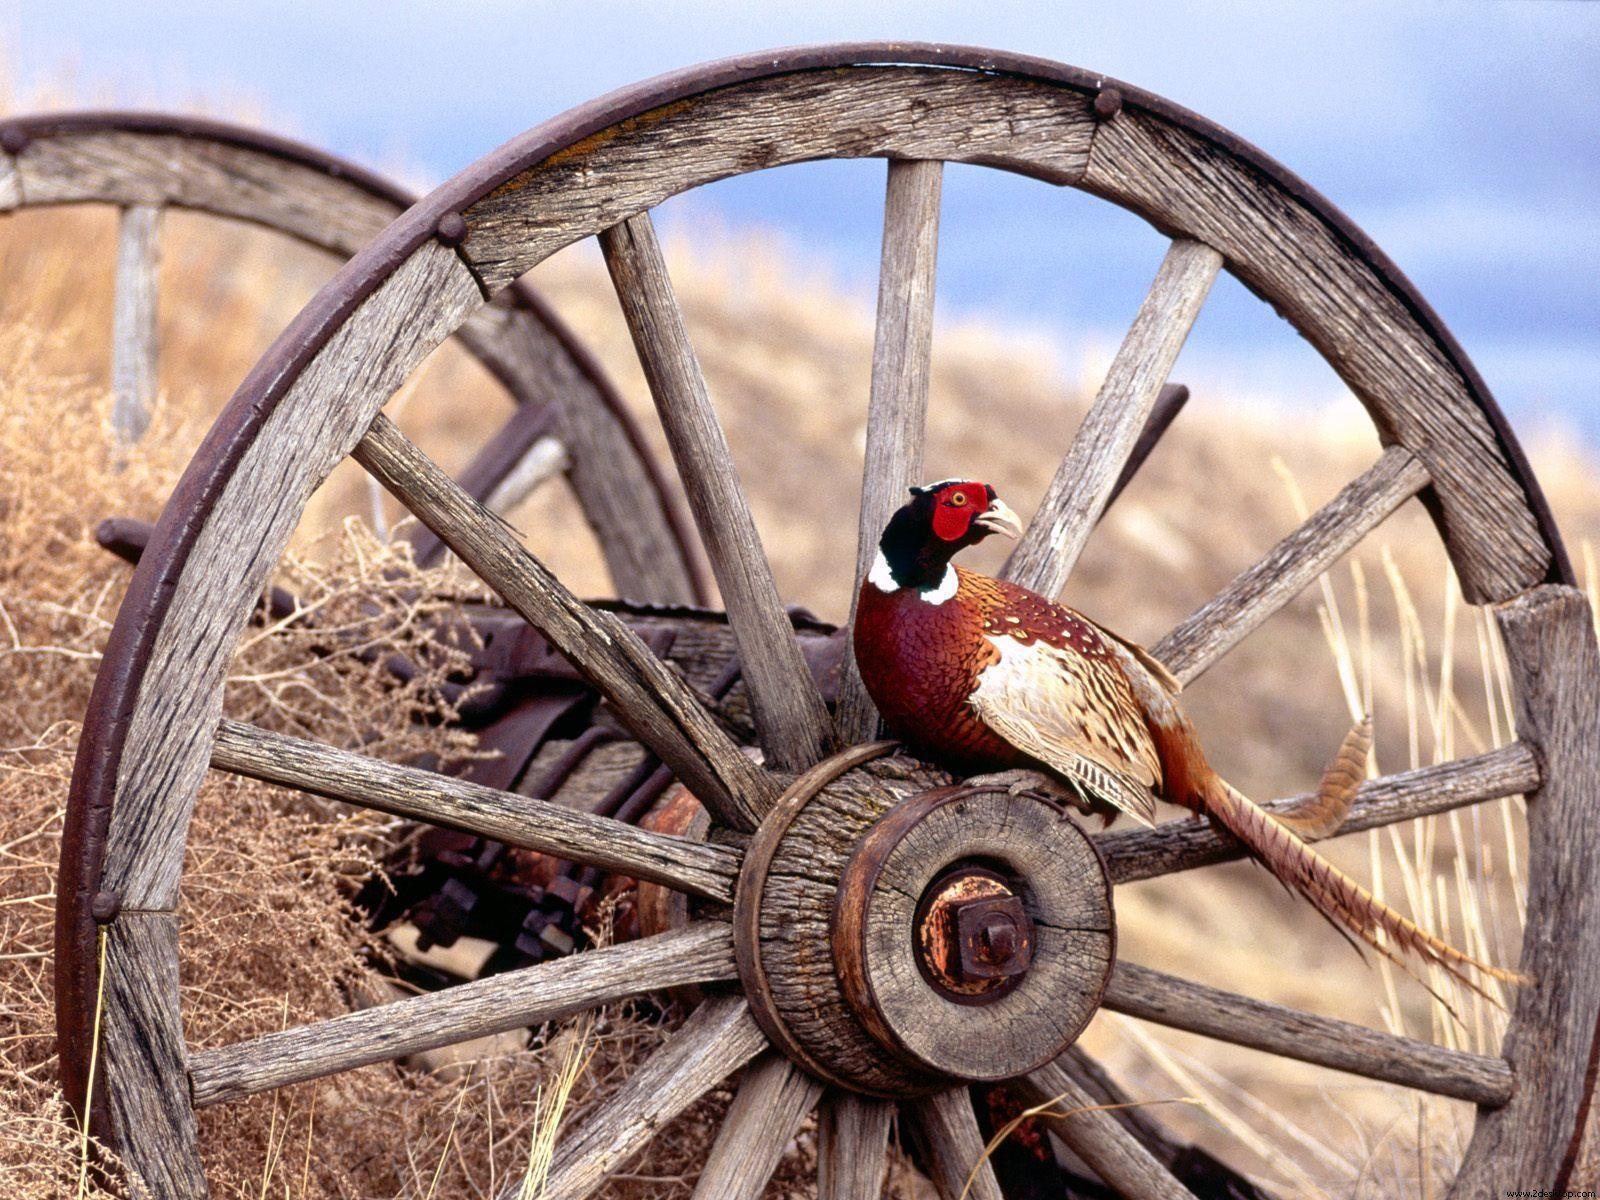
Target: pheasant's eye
[{"x": 958, "y": 499}]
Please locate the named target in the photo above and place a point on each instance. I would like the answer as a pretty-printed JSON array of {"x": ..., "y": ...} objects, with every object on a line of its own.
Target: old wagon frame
[{"x": 315, "y": 398}]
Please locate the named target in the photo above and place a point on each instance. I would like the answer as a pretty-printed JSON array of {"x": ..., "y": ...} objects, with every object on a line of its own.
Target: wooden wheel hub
[{"x": 896, "y": 943}]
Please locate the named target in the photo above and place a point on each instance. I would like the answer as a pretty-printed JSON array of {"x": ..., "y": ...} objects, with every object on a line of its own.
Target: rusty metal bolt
[
  {"x": 452, "y": 229},
  {"x": 1107, "y": 104},
  {"x": 974, "y": 935},
  {"x": 994, "y": 938}
]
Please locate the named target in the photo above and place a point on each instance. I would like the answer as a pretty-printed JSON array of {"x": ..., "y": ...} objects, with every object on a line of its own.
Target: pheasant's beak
[{"x": 998, "y": 518}]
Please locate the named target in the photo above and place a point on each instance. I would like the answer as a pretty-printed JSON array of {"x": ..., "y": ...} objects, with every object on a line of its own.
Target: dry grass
[{"x": 268, "y": 938}]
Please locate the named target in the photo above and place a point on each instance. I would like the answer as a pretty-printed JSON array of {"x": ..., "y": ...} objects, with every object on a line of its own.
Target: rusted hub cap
[{"x": 974, "y": 936}]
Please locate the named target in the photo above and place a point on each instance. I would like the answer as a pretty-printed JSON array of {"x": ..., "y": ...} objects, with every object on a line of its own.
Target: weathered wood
[
  {"x": 655, "y": 702},
  {"x": 897, "y": 413},
  {"x": 701, "y": 868},
  {"x": 718, "y": 1038},
  {"x": 1139, "y": 1120},
  {"x": 143, "y": 1056},
  {"x": 1196, "y": 644},
  {"x": 134, "y": 338},
  {"x": 773, "y": 1098},
  {"x": 1183, "y": 845},
  {"x": 699, "y": 953},
  {"x": 784, "y": 914},
  {"x": 1554, "y": 1041},
  {"x": 946, "y": 1131},
  {"x": 1277, "y": 243},
  {"x": 852, "y": 112},
  {"x": 238, "y": 181},
  {"x": 241, "y": 536},
  {"x": 795, "y": 728},
  {"x": 10, "y": 184},
  {"x": 1098, "y": 1138},
  {"x": 1167, "y": 1000},
  {"x": 1169, "y": 403},
  {"x": 852, "y": 1146},
  {"x": 614, "y": 481},
  {"x": 544, "y": 460},
  {"x": 1084, "y": 481},
  {"x": 874, "y": 936}
]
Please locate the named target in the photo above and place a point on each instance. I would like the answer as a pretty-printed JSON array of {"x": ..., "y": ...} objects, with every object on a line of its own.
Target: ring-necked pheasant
[{"x": 987, "y": 678}]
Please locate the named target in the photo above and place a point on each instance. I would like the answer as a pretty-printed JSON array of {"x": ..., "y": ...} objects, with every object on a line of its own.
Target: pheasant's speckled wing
[{"x": 1074, "y": 712}]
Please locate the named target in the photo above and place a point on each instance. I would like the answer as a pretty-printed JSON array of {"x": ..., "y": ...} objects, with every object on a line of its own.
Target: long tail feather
[
  {"x": 1334, "y": 894},
  {"x": 1322, "y": 814}
]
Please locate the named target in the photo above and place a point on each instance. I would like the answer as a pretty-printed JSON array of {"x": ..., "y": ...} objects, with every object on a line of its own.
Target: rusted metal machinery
[{"x": 865, "y": 931}]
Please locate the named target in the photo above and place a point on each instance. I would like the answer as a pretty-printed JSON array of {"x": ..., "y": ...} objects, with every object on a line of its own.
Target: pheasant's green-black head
[{"x": 940, "y": 520}]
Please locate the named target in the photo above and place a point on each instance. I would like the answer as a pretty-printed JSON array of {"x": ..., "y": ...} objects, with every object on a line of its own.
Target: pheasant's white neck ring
[{"x": 882, "y": 578}]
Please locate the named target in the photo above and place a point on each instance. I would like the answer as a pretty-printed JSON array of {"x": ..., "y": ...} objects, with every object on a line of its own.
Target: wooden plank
[
  {"x": 10, "y": 184},
  {"x": 1323, "y": 282},
  {"x": 701, "y": 868},
  {"x": 1084, "y": 481},
  {"x": 1169, "y": 403},
  {"x": 897, "y": 412},
  {"x": 613, "y": 483},
  {"x": 241, "y": 537},
  {"x": 1183, "y": 845},
  {"x": 1196, "y": 644},
  {"x": 773, "y": 1098},
  {"x": 134, "y": 336},
  {"x": 792, "y": 720},
  {"x": 697, "y": 953},
  {"x": 144, "y": 1060},
  {"x": 1553, "y": 1044},
  {"x": 123, "y": 167},
  {"x": 655, "y": 702},
  {"x": 542, "y": 462},
  {"x": 852, "y": 1146},
  {"x": 947, "y": 1132},
  {"x": 852, "y": 112},
  {"x": 718, "y": 1038},
  {"x": 1098, "y": 1138},
  {"x": 1167, "y": 1000}
]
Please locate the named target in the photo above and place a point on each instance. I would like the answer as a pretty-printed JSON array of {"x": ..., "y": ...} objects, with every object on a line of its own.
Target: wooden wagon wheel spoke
[
  {"x": 772, "y": 1099},
  {"x": 1089, "y": 473},
  {"x": 1292, "y": 565},
  {"x": 852, "y": 1146},
  {"x": 499, "y": 462},
  {"x": 1182, "y": 1004},
  {"x": 897, "y": 409},
  {"x": 718, "y": 1038},
  {"x": 699, "y": 868},
  {"x": 1098, "y": 1137},
  {"x": 792, "y": 720},
  {"x": 946, "y": 1131},
  {"x": 656, "y": 702},
  {"x": 134, "y": 315},
  {"x": 1513, "y": 770},
  {"x": 562, "y": 987}
]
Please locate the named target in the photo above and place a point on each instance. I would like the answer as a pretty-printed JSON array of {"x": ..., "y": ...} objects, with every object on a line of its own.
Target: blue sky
[{"x": 1465, "y": 137}]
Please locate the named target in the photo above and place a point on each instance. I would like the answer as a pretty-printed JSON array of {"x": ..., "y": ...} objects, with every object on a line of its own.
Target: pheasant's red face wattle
[{"x": 955, "y": 506}]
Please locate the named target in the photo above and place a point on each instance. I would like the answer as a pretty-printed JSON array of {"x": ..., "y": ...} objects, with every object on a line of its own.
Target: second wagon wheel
[
  {"x": 832, "y": 854},
  {"x": 568, "y": 416}
]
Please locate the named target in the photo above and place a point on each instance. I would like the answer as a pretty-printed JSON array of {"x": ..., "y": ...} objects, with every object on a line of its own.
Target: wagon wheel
[
  {"x": 569, "y": 416},
  {"x": 834, "y": 1006}
]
